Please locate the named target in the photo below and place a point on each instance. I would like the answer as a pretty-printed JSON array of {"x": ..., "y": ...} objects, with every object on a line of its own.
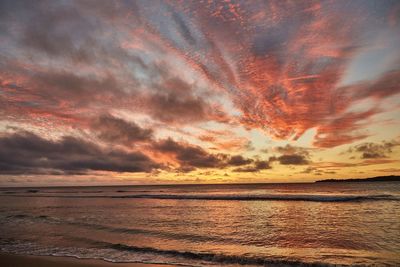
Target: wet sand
[{"x": 8, "y": 260}]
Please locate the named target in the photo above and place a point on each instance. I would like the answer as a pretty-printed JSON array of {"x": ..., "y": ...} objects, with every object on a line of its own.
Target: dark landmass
[{"x": 390, "y": 178}]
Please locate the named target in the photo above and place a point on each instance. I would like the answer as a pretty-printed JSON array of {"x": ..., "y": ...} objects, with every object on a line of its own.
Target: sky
[{"x": 97, "y": 92}]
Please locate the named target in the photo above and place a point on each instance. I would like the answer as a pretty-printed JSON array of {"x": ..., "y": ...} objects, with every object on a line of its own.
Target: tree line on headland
[{"x": 389, "y": 178}]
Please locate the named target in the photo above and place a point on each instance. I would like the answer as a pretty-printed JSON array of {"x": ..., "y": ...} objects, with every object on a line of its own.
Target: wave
[
  {"x": 216, "y": 258},
  {"x": 122, "y": 230},
  {"x": 72, "y": 192},
  {"x": 271, "y": 197},
  {"x": 12, "y": 246},
  {"x": 111, "y": 252},
  {"x": 286, "y": 197}
]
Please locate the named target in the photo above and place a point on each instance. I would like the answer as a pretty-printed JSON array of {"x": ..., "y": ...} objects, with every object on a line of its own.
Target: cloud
[
  {"x": 390, "y": 170},
  {"x": 190, "y": 156},
  {"x": 76, "y": 89},
  {"x": 80, "y": 64},
  {"x": 343, "y": 130},
  {"x": 58, "y": 95},
  {"x": 279, "y": 64},
  {"x": 239, "y": 160},
  {"x": 270, "y": 91},
  {"x": 317, "y": 171},
  {"x": 385, "y": 86},
  {"x": 290, "y": 159},
  {"x": 366, "y": 162},
  {"x": 225, "y": 140},
  {"x": 174, "y": 101},
  {"x": 65, "y": 31},
  {"x": 289, "y": 150},
  {"x": 283, "y": 70},
  {"x": 119, "y": 131},
  {"x": 309, "y": 170},
  {"x": 374, "y": 150},
  {"x": 291, "y": 155},
  {"x": 256, "y": 167},
  {"x": 27, "y": 153}
]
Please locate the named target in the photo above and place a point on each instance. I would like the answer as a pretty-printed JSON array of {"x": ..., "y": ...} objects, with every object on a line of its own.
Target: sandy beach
[{"x": 9, "y": 260}]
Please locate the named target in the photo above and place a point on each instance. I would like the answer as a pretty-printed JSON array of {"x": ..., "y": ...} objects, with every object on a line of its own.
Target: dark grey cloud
[
  {"x": 374, "y": 150},
  {"x": 63, "y": 85},
  {"x": 184, "y": 29},
  {"x": 289, "y": 150},
  {"x": 262, "y": 164},
  {"x": 174, "y": 101},
  {"x": 246, "y": 169},
  {"x": 317, "y": 171},
  {"x": 309, "y": 170},
  {"x": 56, "y": 29},
  {"x": 291, "y": 155},
  {"x": 190, "y": 156},
  {"x": 171, "y": 107},
  {"x": 239, "y": 160},
  {"x": 27, "y": 153},
  {"x": 291, "y": 159},
  {"x": 256, "y": 167},
  {"x": 119, "y": 131},
  {"x": 72, "y": 30}
]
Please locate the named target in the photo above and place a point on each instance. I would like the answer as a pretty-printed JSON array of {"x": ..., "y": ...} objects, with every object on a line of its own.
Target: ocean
[{"x": 319, "y": 224}]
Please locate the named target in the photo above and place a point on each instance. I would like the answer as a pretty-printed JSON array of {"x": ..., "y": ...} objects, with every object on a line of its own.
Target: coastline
[
  {"x": 14, "y": 260},
  {"x": 387, "y": 178}
]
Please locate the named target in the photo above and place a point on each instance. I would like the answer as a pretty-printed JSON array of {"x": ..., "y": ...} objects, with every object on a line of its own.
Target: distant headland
[{"x": 390, "y": 178}]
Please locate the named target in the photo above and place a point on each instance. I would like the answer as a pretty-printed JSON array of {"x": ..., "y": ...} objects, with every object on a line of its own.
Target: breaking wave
[
  {"x": 111, "y": 252},
  {"x": 316, "y": 198},
  {"x": 216, "y": 257}
]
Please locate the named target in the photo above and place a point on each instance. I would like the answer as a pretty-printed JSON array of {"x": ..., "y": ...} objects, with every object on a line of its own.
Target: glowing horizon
[{"x": 115, "y": 92}]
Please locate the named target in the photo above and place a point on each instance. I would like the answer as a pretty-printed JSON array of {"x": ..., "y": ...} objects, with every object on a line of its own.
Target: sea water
[{"x": 319, "y": 224}]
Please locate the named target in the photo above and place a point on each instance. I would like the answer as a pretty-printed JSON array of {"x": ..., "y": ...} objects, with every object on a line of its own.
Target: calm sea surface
[{"x": 208, "y": 225}]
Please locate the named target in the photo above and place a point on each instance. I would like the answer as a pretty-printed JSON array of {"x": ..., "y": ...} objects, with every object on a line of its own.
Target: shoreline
[{"x": 17, "y": 260}]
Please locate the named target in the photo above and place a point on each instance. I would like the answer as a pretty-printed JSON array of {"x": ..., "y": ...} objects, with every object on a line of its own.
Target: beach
[{"x": 11, "y": 260}]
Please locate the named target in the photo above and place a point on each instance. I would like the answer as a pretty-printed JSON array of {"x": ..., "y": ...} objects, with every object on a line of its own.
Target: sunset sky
[{"x": 143, "y": 92}]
